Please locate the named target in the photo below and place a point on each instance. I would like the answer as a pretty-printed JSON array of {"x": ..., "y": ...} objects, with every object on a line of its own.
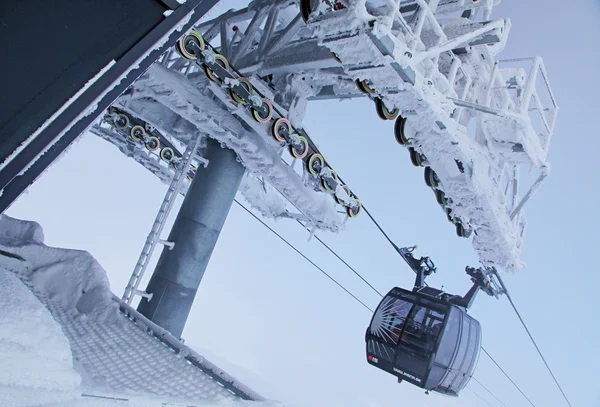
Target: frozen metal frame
[{"x": 269, "y": 40}]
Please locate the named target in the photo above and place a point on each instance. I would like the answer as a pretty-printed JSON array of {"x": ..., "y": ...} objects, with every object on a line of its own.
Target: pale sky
[{"x": 290, "y": 333}]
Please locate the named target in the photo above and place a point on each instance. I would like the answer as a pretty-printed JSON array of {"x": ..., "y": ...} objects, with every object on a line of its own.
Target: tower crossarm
[{"x": 433, "y": 63}]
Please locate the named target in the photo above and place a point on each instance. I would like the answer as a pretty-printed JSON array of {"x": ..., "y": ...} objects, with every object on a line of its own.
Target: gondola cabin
[{"x": 424, "y": 339}]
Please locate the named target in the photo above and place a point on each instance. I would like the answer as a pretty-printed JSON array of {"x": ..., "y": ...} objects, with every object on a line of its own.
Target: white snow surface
[
  {"x": 63, "y": 341},
  {"x": 35, "y": 359}
]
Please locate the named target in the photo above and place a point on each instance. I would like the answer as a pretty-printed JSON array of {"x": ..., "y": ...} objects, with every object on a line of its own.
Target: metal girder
[
  {"x": 225, "y": 49},
  {"x": 248, "y": 36},
  {"x": 295, "y": 58},
  {"x": 286, "y": 35},
  {"x": 269, "y": 27}
]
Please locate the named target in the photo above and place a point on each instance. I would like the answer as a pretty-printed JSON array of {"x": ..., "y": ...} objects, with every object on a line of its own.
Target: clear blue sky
[{"x": 267, "y": 311}]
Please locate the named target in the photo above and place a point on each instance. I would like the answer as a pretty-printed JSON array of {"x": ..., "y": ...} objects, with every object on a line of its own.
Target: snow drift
[{"x": 72, "y": 277}]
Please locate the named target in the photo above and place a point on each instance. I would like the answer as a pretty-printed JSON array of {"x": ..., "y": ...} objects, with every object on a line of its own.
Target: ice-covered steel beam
[
  {"x": 240, "y": 49},
  {"x": 529, "y": 193},
  {"x": 470, "y": 38},
  {"x": 269, "y": 27},
  {"x": 198, "y": 105},
  {"x": 210, "y": 29},
  {"x": 329, "y": 92},
  {"x": 286, "y": 35}
]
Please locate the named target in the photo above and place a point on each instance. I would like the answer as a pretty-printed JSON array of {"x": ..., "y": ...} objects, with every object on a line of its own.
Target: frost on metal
[{"x": 179, "y": 107}]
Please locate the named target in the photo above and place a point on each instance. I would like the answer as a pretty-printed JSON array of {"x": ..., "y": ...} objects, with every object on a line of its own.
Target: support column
[{"x": 175, "y": 280}]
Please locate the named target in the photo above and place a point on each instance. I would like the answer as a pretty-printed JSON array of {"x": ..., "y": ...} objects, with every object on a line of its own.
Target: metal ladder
[{"x": 154, "y": 236}]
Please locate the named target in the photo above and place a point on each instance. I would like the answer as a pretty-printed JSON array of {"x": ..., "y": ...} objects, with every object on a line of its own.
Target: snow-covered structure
[{"x": 65, "y": 338}]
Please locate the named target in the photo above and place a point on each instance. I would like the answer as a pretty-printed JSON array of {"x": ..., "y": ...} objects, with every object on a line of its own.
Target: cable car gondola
[{"x": 425, "y": 336}]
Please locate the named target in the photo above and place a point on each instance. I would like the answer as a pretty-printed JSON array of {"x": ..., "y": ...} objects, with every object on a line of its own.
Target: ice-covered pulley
[
  {"x": 137, "y": 132},
  {"x": 190, "y": 45},
  {"x": 353, "y": 213},
  {"x": 383, "y": 112},
  {"x": 399, "y": 133},
  {"x": 298, "y": 146},
  {"x": 364, "y": 87},
  {"x": 152, "y": 143},
  {"x": 353, "y": 206},
  {"x": 334, "y": 176},
  {"x": 264, "y": 112},
  {"x": 121, "y": 121},
  {"x": 244, "y": 83},
  {"x": 167, "y": 154},
  {"x": 431, "y": 178},
  {"x": 415, "y": 157},
  {"x": 211, "y": 74},
  {"x": 460, "y": 230},
  {"x": 440, "y": 197},
  {"x": 281, "y": 129},
  {"x": 315, "y": 163}
]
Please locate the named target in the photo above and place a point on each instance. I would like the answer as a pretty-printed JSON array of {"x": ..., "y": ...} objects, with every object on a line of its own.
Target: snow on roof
[{"x": 117, "y": 352}]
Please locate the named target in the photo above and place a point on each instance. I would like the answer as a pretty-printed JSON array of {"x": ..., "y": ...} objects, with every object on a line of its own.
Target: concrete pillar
[{"x": 175, "y": 280}]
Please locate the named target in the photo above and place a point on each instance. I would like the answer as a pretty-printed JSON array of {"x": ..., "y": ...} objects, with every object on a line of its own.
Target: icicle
[{"x": 313, "y": 229}]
